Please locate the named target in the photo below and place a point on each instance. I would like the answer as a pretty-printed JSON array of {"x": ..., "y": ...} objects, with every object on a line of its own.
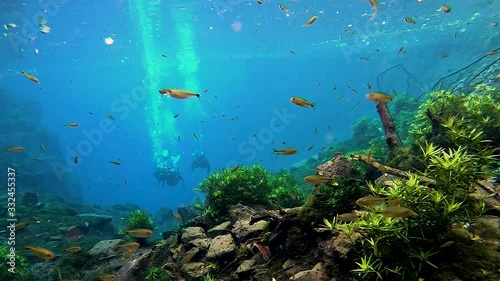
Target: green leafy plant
[
  {"x": 156, "y": 273},
  {"x": 248, "y": 185},
  {"x": 138, "y": 219},
  {"x": 21, "y": 269}
]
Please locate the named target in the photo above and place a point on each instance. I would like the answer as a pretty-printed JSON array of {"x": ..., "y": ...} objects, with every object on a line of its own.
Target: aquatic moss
[
  {"x": 21, "y": 269},
  {"x": 327, "y": 201},
  {"x": 248, "y": 185},
  {"x": 138, "y": 219}
]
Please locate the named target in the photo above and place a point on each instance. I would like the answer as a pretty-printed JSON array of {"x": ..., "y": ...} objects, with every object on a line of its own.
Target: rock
[
  {"x": 318, "y": 273},
  {"x": 221, "y": 229},
  {"x": 245, "y": 269},
  {"x": 187, "y": 212},
  {"x": 95, "y": 220},
  {"x": 243, "y": 229},
  {"x": 29, "y": 199},
  {"x": 189, "y": 255},
  {"x": 245, "y": 266},
  {"x": 202, "y": 221},
  {"x": 193, "y": 232},
  {"x": 221, "y": 247},
  {"x": 168, "y": 233},
  {"x": 291, "y": 267},
  {"x": 105, "y": 247},
  {"x": 338, "y": 166},
  {"x": 241, "y": 212},
  {"x": 200, "y": 243},
  {"x": 74, "y": 231},
  {"x": 194, "y": 270}
]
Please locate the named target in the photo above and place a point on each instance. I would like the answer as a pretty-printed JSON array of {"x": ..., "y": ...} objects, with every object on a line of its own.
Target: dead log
[{"x": 391, "y": 136}]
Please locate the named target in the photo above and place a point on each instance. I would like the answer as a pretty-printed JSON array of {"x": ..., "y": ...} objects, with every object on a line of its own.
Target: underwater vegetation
[
  {"x": 138, "y": 219},
  {"x": 249, "y": 185},
  {"x": 21, "y": 267},
  {"x": 436, "y": 199}
]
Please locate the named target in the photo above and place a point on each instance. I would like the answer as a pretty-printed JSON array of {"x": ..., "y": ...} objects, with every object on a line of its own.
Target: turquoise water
[{"x": 246, "y": 60}]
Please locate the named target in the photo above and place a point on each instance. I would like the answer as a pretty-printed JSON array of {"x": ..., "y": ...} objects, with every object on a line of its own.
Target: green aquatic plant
[
  {"x": 138, "y": 219},
  {"x": 408, "y": 248},
  {"x": 326, "y": 201},
  {"x": 478, "y": 111},
  {"x": 248, "y": 185},
  {"x": 209, "y": 277},
  {"x": 20, "y": 271},
  {"x": 157, "y": 273}
]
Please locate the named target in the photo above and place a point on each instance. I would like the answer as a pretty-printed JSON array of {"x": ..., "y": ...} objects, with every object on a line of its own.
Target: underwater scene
[{"x": 226, "y": 140}]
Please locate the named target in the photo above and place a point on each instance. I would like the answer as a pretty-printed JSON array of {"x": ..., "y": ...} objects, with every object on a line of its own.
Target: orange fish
[
  {"x": 178, "y": 217},
  {"x": 72, "y": 249},
  {"x": 117, "y": 163},
  {"x": 375, "y": 8},
  {"x": 30, "y": 77},
  {"x": 15, "y": 149},
  {"x": 302, "y": 102},
  {"x": 409, "y": 20},
  {"x": 178, "y": 94},
  {"x": 20, "y": 225},
  {"x": 140, "y": 233},
  {"x": 446, "y": 9},
  {"x": 310, "y": 21},
  {"x": 107, "y": 277},
  {"x": 492, "y": 53},
  {"x": 41, "y": 253},
  {"x": 378, "y": 97},
  {"x": 132, "y": 246},
  {"x": 72, "y": 125},
  {"x": 286, "y": 151}
]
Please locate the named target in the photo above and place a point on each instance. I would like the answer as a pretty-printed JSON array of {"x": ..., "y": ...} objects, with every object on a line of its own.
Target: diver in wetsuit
[
  {"x": 200, "y": 161},
  {"x": 168, "y": 176}
]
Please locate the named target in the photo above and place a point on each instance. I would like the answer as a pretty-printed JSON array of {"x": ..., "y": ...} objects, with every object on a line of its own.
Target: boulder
[
  {"x": 194, "y": 270},
  {"x": 221, "y": 247},
  {"x": 317, "y": 273},
  {"x": 193, "y": 232},
  {"x": 243, "y": 228},
  {"x": 221, "y": 229},
  {"x": 105, "y": 247}
]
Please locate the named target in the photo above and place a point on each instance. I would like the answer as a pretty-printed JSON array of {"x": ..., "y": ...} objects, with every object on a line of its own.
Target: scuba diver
[
  {"x": 200, "y": 161},
  {"x": 168, "y": 176}
]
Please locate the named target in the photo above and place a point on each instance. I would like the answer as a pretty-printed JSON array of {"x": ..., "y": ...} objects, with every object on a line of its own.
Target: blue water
[{"x": 251, "y": 71}]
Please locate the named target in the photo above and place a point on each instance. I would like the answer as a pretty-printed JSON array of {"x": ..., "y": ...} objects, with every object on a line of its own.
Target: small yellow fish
[
  {"x": 30, "y": 77},
  {"x": 370, "y": 201},
  {"x": 348, "y": 217},
  {"x": 72, "y": 249},
  {"x": 41, "y": 253},
  {"x": 20, "y": 225},
  {"x": 286, "y": 151},
  {"x": 302, "y": 102},
  {"x": 446, "y": 9},
  {"x": 378, "y": 97},
  {"x": 178, "y": 94},
  {"x": 72, "y": 125},
  {"x": 318, "y": 179},
  {"x": 15, "y": 149},
  {"x": 107, "y": 277},
  {"x": 177, "y": 216},
  {"x": 117, "y": 163},
  {"x": 140, "y": 233},
  {"x": 375, "y": 8},
  {"x": 409, "y": 20},
  {"x": 132, "y": 246},
  {"x": 310, "y": 21},
  {"x": 127, "y": 254},
  {"x": 397, "y": 212}
]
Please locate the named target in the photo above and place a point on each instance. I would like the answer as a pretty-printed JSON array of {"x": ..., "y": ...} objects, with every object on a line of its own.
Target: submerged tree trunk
[{"x": 391, "y": 136}]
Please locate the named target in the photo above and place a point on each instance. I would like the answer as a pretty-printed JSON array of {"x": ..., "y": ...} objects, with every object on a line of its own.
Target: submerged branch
[
  {"x": 386, "y": 169},
  {"x": 389, "y": 127}
]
